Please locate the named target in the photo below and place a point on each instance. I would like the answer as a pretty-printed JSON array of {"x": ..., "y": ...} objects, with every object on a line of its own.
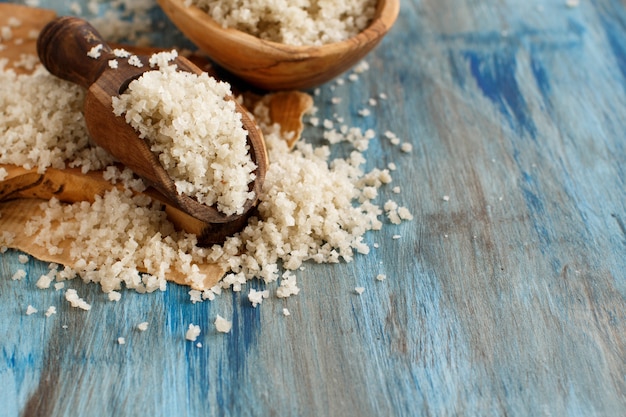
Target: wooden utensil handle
[{"x": 63, "y": 47}]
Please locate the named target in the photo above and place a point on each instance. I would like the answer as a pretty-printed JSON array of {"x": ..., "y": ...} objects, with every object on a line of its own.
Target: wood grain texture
[{"x": 506, "y": 298}]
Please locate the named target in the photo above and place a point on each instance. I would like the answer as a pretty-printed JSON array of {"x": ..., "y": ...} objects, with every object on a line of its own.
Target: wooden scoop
[{"x": 63, "y": 47}]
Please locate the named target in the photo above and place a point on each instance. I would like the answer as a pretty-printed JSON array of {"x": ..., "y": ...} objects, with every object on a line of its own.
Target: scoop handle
[{"x": 63, "y": 47}]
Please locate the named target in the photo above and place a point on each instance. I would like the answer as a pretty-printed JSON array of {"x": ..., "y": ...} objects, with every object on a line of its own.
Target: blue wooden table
[{"x": 504, "y": 296}]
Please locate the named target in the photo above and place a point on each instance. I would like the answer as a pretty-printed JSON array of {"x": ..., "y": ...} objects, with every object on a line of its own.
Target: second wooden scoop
[{"x": 64, "y": 47}]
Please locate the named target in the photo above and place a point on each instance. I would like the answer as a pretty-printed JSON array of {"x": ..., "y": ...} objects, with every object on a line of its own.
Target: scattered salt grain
[
  {"x": 392, "y": 166},
  {"x": 143, "y": 326},
  {"x": 396, "y": 190},
  {"x": 192, "y": 333},
  {"x": 22, "y": 259},
  {"x": 121, "y": 53},
  {"x": 135, "y": 61},
  {"x": 286, "y": 312},
  {"x": 195, "y": 296},
  {"x": 353, "y": 77},
  {"x": 44, "y": 282},
  {"x": 293, "y": 22},
  {"x": 396, "y": 237},
  {"x": 30, "y": 310},
  {"x": 121, "y": 341},
  {"x": 361, "y": 67},
  {"x": 19, "y": 274},
  {"x": 572, "y": 3},
  {"x": 198, "y": 345},
  {"x": 372, "y": 102},
  {"x": 50, "y": 311},
  {"x": 222, "y": 325},
  {"x": 114, "y": 296},
  {"x": 381, "y": 277},
  {"x": 75, "y": 301},
  {"x": 288, "y": 286},
  {"x": 95, "y": 51},
  {"x": 406, "y": 147},
  {"x": 256, "y": 297},
  {"x": 446, "y": 198},
  {"x": 59, "y": 286},
  {"x": 113, "y": 63},
  {"x": 359, "y": 290},
  {"x": 364, "y": 112}
]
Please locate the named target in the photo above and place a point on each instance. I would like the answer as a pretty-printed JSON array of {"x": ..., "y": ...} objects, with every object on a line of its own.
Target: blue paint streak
[
  {"x": 494, "y": 73},
  {"x": 540, "y": 74},
  {"x": 616, "y": 36}
]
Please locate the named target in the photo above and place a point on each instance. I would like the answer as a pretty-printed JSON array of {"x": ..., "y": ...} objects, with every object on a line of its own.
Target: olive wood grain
[
  {"x": 63, "y": 46},
  {"x": 273, "y": 65}
]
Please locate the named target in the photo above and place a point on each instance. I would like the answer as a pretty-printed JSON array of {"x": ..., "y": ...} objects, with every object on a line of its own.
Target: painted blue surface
[{"x": 508, "y": 299}]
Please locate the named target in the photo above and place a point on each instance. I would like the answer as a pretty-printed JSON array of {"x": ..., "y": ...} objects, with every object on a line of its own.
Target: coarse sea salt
[{"x": 295, "y": 22}]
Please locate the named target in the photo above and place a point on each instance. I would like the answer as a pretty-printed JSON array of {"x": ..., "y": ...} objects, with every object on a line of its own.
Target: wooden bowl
[{"x": 276, "y": 66}]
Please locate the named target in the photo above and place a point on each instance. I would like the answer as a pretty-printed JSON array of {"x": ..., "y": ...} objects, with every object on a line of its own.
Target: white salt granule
[
  {"x": 256, "y": 297},
  {"x": 95, "y": 51},
  {"x": 22, "y": 258},
  {"x": 44, "y": 282},
  {"x": 195, "y": 130},
  {"x": 364, "y": 112},
  {"x": 446, "y": 198},
  {"x": 406, "y": 147},
  {"x": 195, "y": 296},
  {"x": 572, "y": 3},
  {"x": 198, "y": 345},
  {"x": 59, "y": 286},
  {"x": 143, "y": 326},
  {"x": 50, "y": 311},
  {"x": 113, "y": 63},
  {"x": 19, "y": 274},
  {"x": 292, "y": 22},
  {"x": 75, "y": 300},
  {"x": 114, "y": 296},
  {"x": 192, "y": 333},
  {"x": 353, "y": 77},
  {"x": 121, "y": 341},
  {"x": 6, "y": 34},
  {"x": 30, "y": 310},
  {"x": 75, "y": 8},
  {"x": 121, "y": 53},
  {"x": 381, "y": 277},
  {"x": 404, "y": 213},
  {"x": 396, "y": 237},
  {"x": 222, "y": 325},
  {"x": 361, "y": 67},
  {"x": 359, "y": 290},
  {"x": 135, "y": 61},
  {"x": 286, "y": 312},
  {"x": 288, "y": 286}
]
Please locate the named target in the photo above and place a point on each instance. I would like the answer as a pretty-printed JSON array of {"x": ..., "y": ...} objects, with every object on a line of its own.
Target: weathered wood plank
[{"x": 506, "y": 299}]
